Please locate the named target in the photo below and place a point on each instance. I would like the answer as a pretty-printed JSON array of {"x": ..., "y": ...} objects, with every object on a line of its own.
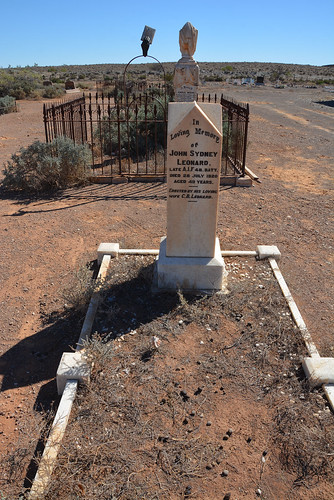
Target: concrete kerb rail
[
  {"x": 73, "y": 367},
  {"x": 319, "y": 371}
]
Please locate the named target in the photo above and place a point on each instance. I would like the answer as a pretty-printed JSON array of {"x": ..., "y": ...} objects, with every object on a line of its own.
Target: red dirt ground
[{"x": 44, "y": 240}]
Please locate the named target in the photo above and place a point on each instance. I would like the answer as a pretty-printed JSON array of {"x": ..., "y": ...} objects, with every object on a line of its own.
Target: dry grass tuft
[{"x": 172, "y": 373}]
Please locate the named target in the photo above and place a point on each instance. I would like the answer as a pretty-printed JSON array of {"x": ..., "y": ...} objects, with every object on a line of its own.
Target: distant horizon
[
  {"x": 162, "y": 62},
  {"x": 54, "y": 35}
]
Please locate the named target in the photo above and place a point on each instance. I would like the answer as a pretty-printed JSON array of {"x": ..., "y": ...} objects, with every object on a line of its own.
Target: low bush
[
  {"x": 25, "y": 83},
  {"x": 213, "y": 78},
  {"x": 327, "y": 81},
  {"x": 19, "y": 83},
  {"x": 140, "y": 132},
  {"x": 52, "y": 92},
  {"x": 7, "y": 104},
  {"x": 43, "y": 167}
]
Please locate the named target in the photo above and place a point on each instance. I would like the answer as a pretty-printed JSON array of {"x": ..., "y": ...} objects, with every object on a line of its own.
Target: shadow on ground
[
  {"x": 36, "y": 358},
  {"x": 129, "y": 302},
  {"x": 94, "y": 193},
  {"x": 326, "y": 103}
]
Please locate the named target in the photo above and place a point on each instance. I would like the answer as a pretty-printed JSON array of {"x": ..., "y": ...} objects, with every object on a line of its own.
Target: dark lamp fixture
[{"x": 147, "y": 39}]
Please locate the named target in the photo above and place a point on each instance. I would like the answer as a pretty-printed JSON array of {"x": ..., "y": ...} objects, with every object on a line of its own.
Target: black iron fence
[
  {"x": 130, "y": 138},
  {"x": 66, "y": 119},
  {"x": 235, "y": 132}
]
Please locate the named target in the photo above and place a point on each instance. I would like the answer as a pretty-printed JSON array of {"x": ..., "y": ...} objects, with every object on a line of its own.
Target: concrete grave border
[{"x": 73, "y": 367}]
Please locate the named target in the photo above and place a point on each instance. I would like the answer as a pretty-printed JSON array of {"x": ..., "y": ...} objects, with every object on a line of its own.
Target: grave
[
  {"x": 69, "y": 85},
  {"x": 190, "y": 256},
  {"x": 186, "y": 75}
]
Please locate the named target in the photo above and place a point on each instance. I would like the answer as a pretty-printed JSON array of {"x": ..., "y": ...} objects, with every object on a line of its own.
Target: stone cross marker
[{"x": 190, "y": 257}]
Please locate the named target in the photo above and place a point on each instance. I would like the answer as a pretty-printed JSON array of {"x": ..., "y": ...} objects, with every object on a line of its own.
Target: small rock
[
  {"x": 156, "y": 341},
  {"x": 224, "y": 473},
  {"x": 209, "y": 423},
  {"x": 227, "y": 496},
  {"x": 184, "y": 396},
  {"x": 258, "y": 492},
  {"x": 229, "y": 432},
  {"x": 187, "y": 491}
]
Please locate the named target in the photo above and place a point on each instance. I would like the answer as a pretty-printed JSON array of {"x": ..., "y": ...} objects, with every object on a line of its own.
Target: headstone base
[{"x": 190, "y": 274}]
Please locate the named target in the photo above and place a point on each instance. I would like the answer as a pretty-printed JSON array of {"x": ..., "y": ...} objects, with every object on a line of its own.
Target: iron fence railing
[
  {"x": 129, "y": 137},
  {"x": 235, "y": 133}
]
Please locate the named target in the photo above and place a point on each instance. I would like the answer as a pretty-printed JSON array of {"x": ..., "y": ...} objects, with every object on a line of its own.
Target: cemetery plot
[
  {"x": 290, "y": 208},
  {"x": 132, "y": 140},
  {"x": 195, "y": 397}
]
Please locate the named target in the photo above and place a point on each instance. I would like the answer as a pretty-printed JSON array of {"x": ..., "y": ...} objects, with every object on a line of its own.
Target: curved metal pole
[{"x": 137, "y": 57}]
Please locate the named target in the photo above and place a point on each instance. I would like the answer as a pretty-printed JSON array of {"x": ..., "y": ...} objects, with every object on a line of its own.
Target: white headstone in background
[{"x": 186, "y": 76}]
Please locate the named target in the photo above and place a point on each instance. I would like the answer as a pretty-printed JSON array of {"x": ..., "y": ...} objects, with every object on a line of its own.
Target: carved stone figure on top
[
  {"x": 188, "y": 40},
  {"x": 186, "y": 75}
]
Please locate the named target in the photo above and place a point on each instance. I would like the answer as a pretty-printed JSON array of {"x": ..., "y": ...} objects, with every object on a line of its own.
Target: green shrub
[
  {"x": 7, "y": 104},
  {"x": 327, "y": 81},
  {"x": 213, "y": 78},
  {"x": 57, "y": 80},
  {"x": 19, "y": 83},
  {"x": 43, "y": 167},
  {"x": 227, "y": 69},
  {"x": 139, "y": 134},
  {"x": 52, "y": 92}
]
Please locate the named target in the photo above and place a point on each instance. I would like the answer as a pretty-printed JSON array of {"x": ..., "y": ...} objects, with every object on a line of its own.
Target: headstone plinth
[
  {"x": 191, "y": 274},
  {"x": 190, "y": 257}
]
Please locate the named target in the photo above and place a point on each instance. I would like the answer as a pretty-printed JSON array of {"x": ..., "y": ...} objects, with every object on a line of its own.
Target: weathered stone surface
[
  {"x": 266, "y": 251},
  {"x": 186, "y": 74},
  {"x": 72, "y": 366},
  {"x": 188, "y": 40},
  {"x": 111, "y": 249},
  {"x": 193, "y": 171},
  {"x": 190, "y": 257},
  {"x": 319, "y": 370},
  {"x": 191, "y": 273},
  {"x": 69, "y": 85}
]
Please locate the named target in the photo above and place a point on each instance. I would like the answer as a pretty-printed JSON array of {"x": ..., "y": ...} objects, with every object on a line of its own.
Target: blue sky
[{"x": 108, "y": 31}]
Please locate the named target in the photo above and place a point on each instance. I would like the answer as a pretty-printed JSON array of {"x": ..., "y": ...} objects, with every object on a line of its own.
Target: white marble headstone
[
  {"x": 190, "y": 257},
  {"x": 193, "y": 174}
]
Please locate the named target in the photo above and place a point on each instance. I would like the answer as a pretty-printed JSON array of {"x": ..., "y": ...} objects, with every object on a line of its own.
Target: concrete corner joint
[
  {"x": 72, "y": 366},
  {"x": 267, "y": 251},
  {"x": 319, "y": 370},
  {"x": 111, "y": 249}
]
